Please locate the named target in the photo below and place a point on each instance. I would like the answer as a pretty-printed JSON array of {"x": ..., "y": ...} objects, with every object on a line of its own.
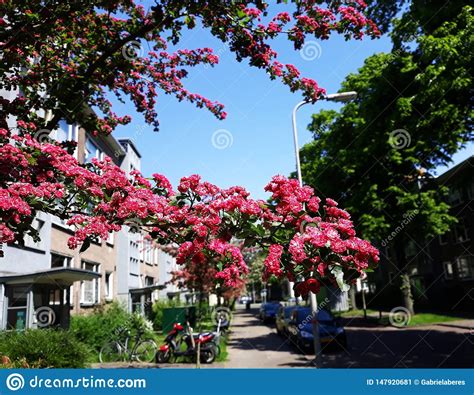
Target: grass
[
  {"x": 426, "y": 319},
  {"x": 416, "y": 320},
  {"x": 357, "y": 313},
  {"x": 222, "y": 357}
]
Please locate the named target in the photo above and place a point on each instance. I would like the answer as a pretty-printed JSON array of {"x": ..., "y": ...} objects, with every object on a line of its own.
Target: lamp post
[{"x": 337, "y": 97}]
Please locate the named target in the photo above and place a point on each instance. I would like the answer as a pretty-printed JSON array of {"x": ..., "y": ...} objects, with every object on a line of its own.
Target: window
[
  {"x": 156, "y": 254},
  {"x": 460, "y": 233},
  {"x": 455, "y": 196},
  {"x": 90, "y": 289},
  {"x": 60, "y": 261},
  {"x": 109, "y": 286},
  {"x": 92, "y": 151},
  {"x": 63, "y": 222},
  {"x": 444, "y": 238},
  {"x": 62, "y": 133},
  {"x": 470, "y": 191},
  {"x": 55, "y": 297},
  {"x": 448, "y": 270},
  {"x": 149, "y": 281},
  {"x": 465, "y": 267},
  {"x": 17, "y": 307},
  {"x": 134, "y": 266},
  {"x": 147, "y": 252},
  {"x": 410, "y": 249}
]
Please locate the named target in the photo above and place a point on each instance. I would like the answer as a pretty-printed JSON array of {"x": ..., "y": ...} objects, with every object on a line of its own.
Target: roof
[
  {"x": 108, "y": 139},
  {"x": 60, "y": 276},
  {"x": 465, "y": 164},
  {"x": 130, "y": 142}
]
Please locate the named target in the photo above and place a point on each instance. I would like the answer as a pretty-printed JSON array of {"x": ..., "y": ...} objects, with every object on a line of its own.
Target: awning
[
  {"x": 150, "y": 288},
  {"x": 60, "y": 276}
]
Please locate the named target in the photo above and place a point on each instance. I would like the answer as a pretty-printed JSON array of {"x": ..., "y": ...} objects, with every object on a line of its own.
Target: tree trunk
[
  {"x": 407, "y": 295},
  {"x": 405, "y": 277},
  {"x": 352, "y": 295}
]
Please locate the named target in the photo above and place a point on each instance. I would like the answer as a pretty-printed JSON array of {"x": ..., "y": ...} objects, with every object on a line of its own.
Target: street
[{"x": 257, "y": 345}]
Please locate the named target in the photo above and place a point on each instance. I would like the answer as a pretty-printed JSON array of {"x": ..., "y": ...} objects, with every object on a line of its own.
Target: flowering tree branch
[{"x": 80, "y": 52}]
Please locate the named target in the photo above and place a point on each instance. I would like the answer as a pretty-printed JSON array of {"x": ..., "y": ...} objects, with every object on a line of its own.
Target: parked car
[
  {"x": 268, "y": 311},
  {"x": 300, "y": 329},
  {"x": 283, "y": 318}
]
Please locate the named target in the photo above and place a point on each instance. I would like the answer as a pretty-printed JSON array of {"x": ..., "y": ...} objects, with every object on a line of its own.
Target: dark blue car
[
  {"x": 300, "y": 329},
  {"x": 268, "y": 311}
]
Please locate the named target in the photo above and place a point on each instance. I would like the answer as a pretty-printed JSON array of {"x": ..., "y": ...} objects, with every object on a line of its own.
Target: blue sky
[{"x": 257, "y": 133}]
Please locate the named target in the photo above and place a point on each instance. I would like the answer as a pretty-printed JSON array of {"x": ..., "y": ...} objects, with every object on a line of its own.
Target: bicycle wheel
[
  {"x": 146, "y": 351},
  {"x": 110, "y": 352}
]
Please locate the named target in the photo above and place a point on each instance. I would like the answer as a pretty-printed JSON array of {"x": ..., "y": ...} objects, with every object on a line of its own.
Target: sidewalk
[{"x": 461, "y": 324}]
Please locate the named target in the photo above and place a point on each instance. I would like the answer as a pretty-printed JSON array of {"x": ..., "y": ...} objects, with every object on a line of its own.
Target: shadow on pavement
[{"x": 403, "y": 348}]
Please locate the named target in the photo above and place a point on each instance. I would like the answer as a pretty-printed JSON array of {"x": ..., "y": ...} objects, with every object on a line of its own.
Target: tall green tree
[{"x": 413, "y": 112}]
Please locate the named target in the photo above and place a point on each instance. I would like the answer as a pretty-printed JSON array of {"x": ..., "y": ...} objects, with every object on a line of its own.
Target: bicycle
[{"x": 117, "y": 350}]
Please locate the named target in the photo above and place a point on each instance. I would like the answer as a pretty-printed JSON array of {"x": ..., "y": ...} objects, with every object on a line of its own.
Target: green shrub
[
  {"x": 43, "y": 348},
  {"x": 106, "y": 324},
  {"x": 100, "y": 326}
]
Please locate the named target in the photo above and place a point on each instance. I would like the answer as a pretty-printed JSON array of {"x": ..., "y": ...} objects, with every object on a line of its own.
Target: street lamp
[{"x": 338, "y": 97}]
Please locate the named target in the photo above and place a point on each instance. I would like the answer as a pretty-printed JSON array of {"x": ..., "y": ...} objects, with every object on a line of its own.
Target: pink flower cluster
[
  {"x": 322, "y": 238},
  {"x": 273, "y": 262}
]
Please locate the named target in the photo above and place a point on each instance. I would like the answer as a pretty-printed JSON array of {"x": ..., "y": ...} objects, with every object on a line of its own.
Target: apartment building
[
  {"x": 138, "y": 257},
  {"x": 100, "y": 257},
  {"x": 42, "y": 283},
  {"x": 441, "y": 268},
  {"x": 452, "y": 254}
]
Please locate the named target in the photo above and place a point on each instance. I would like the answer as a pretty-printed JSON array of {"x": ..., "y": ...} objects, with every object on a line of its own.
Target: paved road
[
  {"x": 255, "y": 345},
  {"x": 450, "y": 345}
]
